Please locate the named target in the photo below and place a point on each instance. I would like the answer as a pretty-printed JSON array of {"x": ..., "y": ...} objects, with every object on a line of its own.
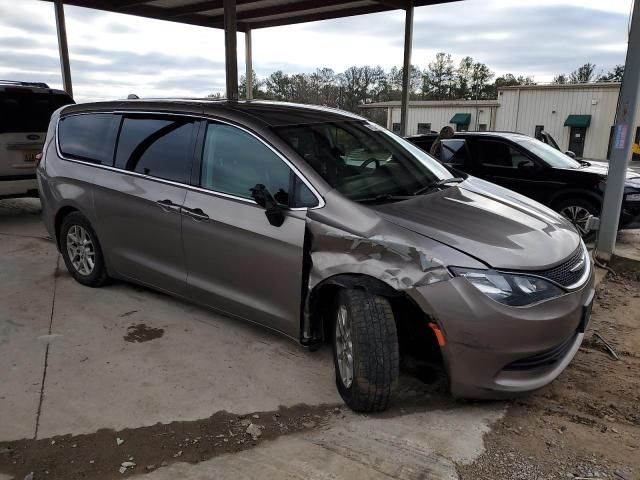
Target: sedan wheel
[{"x": 577, "y": 215}]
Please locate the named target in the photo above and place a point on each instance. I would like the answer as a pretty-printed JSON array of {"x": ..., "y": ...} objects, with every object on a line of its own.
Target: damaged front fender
[{"x": 385, "y": 259}]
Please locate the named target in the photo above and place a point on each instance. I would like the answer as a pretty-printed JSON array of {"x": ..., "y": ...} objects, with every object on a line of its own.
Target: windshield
[
  {"x": 362, "y": 160},
  {"x": 551, "y": 156}
]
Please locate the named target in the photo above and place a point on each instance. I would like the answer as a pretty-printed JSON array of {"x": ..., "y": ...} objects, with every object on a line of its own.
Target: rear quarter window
[{"x": 89, "y": 137}]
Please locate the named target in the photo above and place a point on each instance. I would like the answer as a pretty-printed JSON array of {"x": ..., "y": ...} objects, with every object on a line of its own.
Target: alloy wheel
[
  {"x": 344, "y": 346},
  {"x": 81, "y": 250},
  {"x": 578, "y": 216}
]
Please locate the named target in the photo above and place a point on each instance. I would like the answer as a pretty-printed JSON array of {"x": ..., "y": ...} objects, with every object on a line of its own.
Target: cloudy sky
[{"x": 113, "y": 55}]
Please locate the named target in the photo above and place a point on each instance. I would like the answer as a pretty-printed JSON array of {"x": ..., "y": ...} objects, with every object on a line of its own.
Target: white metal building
[
  {"x": 579, "y": 116},
  {"x": 425, "y": 116}
]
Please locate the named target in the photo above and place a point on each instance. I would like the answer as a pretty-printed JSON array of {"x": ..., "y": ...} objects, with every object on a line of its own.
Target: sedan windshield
[
  {"x": 551, "y": 156},
  {"x": 363, "y": 161}
]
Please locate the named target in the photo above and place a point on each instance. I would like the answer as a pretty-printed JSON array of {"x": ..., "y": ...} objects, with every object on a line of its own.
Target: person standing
[{"x": 436, "y": 149}]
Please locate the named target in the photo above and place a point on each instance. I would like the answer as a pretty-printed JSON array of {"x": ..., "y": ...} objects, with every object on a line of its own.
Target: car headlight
[
  {"x": 509, "y": 289},
  {"x": 633, "y": 197}
]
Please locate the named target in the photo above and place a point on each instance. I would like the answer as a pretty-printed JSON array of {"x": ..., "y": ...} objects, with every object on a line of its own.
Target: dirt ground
[
  {"x": 98, "y": 455},
  {"x": 586, "y": 424}
]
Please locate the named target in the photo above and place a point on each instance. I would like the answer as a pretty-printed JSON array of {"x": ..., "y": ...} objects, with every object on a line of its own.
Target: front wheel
[
  {"x": 365, "y": 350},
  {"x": 578, "y": 211}
]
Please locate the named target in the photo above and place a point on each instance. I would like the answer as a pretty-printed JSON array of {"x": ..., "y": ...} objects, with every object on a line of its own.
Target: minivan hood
[{"x": 496, "y": 226}]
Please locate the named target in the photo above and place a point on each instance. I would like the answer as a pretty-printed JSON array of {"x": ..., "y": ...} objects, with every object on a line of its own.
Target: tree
[
  {"x": 464, "y": 78},
  {"x": 583, "y": 74},
  {"x": 614, "y": 75},
  {"x": 481, "y": 75},
  {"x": 278, "y": 86},
  {"x": 440, "y": 77},
  {"x": 255, "y": 87},
  {"x": 560, "y": 79}
]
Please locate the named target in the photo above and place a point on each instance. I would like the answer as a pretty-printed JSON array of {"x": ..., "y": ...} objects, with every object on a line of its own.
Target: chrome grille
[{"x": 563, "y": 274}]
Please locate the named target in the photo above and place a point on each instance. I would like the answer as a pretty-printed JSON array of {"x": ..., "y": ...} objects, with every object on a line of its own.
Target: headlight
[
  {"x": 512, "y": 290},
  {"x": 633, "y": 197}
]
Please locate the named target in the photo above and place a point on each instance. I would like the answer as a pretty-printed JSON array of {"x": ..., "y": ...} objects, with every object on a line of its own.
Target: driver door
[
  {"x": 506, "y": 165},
  {"x": 238, "y": 262}
]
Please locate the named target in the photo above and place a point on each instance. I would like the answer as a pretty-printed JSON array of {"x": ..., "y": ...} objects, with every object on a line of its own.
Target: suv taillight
[{"x": 38, "y": 158}]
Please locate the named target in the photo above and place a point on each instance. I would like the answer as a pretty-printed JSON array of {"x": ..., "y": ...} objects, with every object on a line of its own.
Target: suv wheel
[
  {"x": 365, "y": 350},
  {"x": 578, "y": 211},
  {"x": 81, "y": 251}
]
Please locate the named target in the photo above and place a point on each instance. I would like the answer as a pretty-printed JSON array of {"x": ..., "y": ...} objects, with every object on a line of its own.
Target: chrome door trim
[{"x": 321, "y": 202}]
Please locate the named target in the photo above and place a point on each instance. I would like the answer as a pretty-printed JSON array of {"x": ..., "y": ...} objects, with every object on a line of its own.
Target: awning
[
  {"x": 461, "y": 119},
  {"x": 582, "y": 121}
]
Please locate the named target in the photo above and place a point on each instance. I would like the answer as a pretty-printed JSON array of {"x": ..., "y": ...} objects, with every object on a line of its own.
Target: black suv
[{"x": 530, "y": 167}]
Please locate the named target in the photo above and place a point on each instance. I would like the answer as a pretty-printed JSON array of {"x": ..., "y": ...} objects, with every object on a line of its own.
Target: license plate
[{"x": 30, "y": 157}]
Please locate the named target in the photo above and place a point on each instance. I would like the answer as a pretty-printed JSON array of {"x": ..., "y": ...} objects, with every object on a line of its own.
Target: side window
[
  {"x": 502, "y": 155},
  {"x": 454, "y": 152},
  {"x": 90, "y": 137},
  {"x": 156, "y": 146},
  {"x": 424, "y": 128},
  {"x": 234, "y": 162}
]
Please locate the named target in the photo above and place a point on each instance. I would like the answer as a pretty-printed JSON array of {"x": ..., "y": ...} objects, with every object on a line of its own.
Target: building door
[{"x": 576, "y": 140}]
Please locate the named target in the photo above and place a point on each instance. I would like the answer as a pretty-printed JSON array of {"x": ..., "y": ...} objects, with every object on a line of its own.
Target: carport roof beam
[
  {"x": 255, "y": 13},
  {"x": 61, "y": 30}
]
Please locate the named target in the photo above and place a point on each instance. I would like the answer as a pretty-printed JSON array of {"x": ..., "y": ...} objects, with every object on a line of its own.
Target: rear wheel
[
  {"x": 578, "y": 211},
  {"x": 365, "y": 348},
  {"x": 81, "y": 251}
]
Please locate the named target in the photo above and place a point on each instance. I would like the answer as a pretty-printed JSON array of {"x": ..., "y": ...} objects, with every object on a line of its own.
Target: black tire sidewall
[
  {"x": 366, "y": 393},
  {"x": 98, "y": 275}
]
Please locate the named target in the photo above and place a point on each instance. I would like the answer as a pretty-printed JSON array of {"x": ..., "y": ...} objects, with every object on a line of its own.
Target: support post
[
  {"x": 622, "y": 143},
  {"x": 231, "y": 49},
  {"x": 61, "y": 28},
  {"x": 406, "y": 69},
  {"x": 249, "y": 62}
]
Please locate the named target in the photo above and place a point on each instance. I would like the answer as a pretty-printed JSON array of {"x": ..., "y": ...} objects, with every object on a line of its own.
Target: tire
[
  {"x": 81, "y": 230},
  {"x": 574, "y": 209},
  {"x": 374, "y": 350}
]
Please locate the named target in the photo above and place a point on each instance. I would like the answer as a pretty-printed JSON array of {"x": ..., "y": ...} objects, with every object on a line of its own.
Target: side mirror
[
  {"x": 272, "y": 210},
  {"x": 570, "y": 154}
]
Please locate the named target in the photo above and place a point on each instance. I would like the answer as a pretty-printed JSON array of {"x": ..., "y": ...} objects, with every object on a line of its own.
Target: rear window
[
  {"x": 89, "y": 137},
  {"x": 25, "y": 110}
]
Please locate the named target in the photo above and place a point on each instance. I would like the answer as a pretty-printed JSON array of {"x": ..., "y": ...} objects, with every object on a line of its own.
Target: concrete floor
[{"x": 66, "y": 369}]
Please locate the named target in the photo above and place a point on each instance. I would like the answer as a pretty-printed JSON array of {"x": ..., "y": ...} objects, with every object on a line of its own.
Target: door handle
[
  {"x": 168, "y": 205},
  {"x": 196, "y": 214}
]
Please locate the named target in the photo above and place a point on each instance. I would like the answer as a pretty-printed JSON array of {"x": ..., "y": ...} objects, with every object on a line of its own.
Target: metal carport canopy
[{"x": 245, "y": 15}]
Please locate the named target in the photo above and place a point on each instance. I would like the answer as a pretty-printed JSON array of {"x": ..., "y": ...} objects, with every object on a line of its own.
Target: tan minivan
[{"x": 320, "y": 225}]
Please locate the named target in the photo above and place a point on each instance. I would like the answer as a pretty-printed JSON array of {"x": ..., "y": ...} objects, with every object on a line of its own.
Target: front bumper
[
  {"x": 630, "y": 215},
  {"x": 496, "y": 351}
]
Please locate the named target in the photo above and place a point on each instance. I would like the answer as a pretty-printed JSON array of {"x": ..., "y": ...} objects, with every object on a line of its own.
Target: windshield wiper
[
  {"x": 439, "y": 183},
  {"x": 387, "y": 197}
]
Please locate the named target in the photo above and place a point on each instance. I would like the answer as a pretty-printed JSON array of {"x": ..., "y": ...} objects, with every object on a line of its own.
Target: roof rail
[{"x": 24, "y": 84}]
